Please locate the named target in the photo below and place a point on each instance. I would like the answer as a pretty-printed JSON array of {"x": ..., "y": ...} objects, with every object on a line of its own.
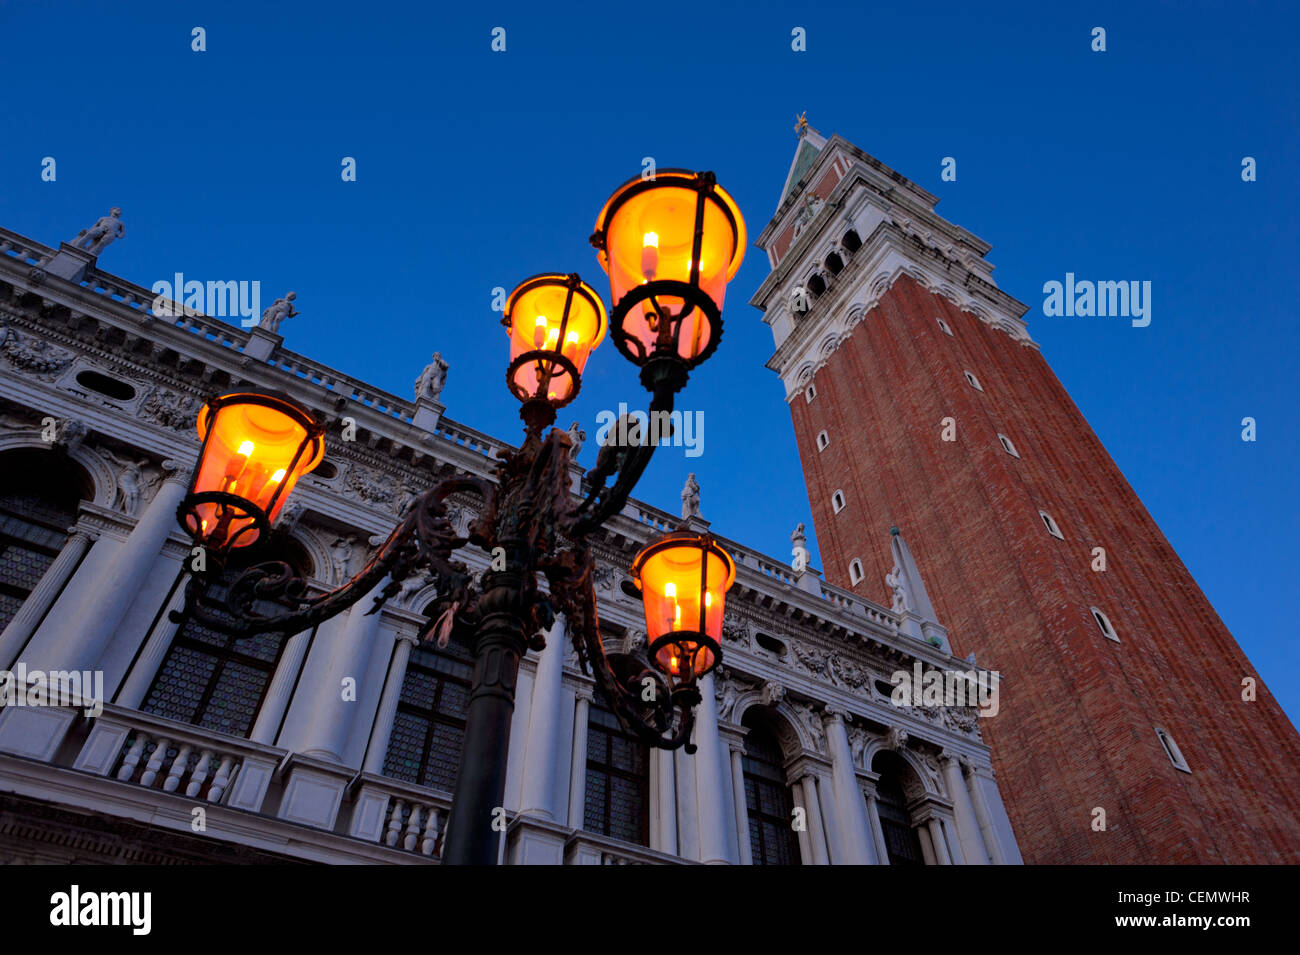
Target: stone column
[
  {"x": 666, "y": 786},
  {"x": 329, "y": 716},
  {"x": 271, "y": 713},
  {"x": 968, "y": 827},
  {"x": 541, "y": 752},
  {"x": 145, "y": 667},
  {"x": 937, "y": 841},
  {"x": 29, "y": 615},
  {"x": 742, "y": 808},
  {"x": 382, "y": 730},
  {"x": 985, "y": 788},
  {"x": 712, "y": 793},
  {"x": 578, "y": 774},
  {"x": 106, "y": 599},
  {"x": 813, "y": 809},
  {"x": 877, "y": 831},
  {"x": 855, "y": 833},
  {"x": 805, "y": 844}
]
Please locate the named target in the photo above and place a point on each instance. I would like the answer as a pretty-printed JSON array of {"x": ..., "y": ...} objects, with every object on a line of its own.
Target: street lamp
[
  {"x": 667, "y": 319},
  {"x": 554, "y": 322},
  {"x": 670, "y": 244},
  {"x": 255, "y": 446},
  {"x": 684, "y": 578}
]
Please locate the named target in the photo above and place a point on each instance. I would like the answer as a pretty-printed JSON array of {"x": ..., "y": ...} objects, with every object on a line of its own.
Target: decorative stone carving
[
  {"x": 33, "y": 355},
  {"x": 896, "y": 739},
  {"x": 691, "y": 498},
  {"x": 772, "y": 693},
  {"x": 432, "y": 379},
  {"x": 277, "y": 312},
  {"x": 726, "y": 691},
  {"x": 604, "y": 577},
  {"x": 136, "y": 482},
  {"x": 813, "y": 721},
  {"x": 858, "y": 740},
  {"x": 576, "y": 439},
  {"x": 814, "y": 660},
  {"x": 848, "y": 673},
  {"x": 290, "y": 514},
  {"x": 894, "y": 579},
  {"x": 370, "y": 486},
  {"x": 343, "y": 557},
  {"x": 734, "y": 629},
  {"x": 171, "y": 409},
  {"x": 962, "y": 719},
  {"x": 69, "y": 433},
  {"x": 106, "y": 229},
  {"x": 799, "y": 552},
  {"x": 411, "y": 586}
]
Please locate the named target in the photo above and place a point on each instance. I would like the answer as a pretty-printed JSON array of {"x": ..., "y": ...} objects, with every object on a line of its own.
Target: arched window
[
  {"x": 617, "y": 800},
  {"x": 210, "y": 678},
  {"x": 1103, "y": 621},
  {"x": 768, "y": 799},
  {"x": 855, "y": 571},
  {"x": 810, "y": 392},
  {"x": 823, "y": 439},
  {"x": 973, "y": 381},
  {"x": 816, "y": 285},
  {"x": 837, "y": 501},
  {"x": 834, "y": 263},
  {"x": 429, "y": 729},
  {"x": 1051, "y": 526},
  {"x": 944, "y": 326},
  {"x": 901, "y": 840},
  {"x": 851, "y": 242},
  {"x": 1007, "y": 446},
  {"x": 40, "y": 492}
]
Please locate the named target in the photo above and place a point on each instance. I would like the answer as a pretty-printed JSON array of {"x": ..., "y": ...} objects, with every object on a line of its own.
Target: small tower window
[
  {"x": 837, "y": 501},
  {"x": 851, "y": 242},
  {"x": 822, "y": 440},
  {"x": 810, "y": 392},
  {"x": 1051, "y": 525},
  {"x": 1104, "y": 623},
  {"x": 944, "y": 325},
  {"x": 1172, "y": 751},
  {"x": 1007, "y": 446},
  {"x": 973, "y": 381},
  {"x": 855, "y": 571}
]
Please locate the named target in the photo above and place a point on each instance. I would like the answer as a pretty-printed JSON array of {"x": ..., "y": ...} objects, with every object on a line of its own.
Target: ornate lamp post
[{"x": 667, "y": 319}]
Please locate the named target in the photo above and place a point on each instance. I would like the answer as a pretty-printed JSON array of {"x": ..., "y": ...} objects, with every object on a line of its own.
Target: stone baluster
[
  {"x": 132, "y": 758},
  {"x": 152, "y": 767},
  {"x": 177, "y": 769},
  {"x": 200, "y": 774}
]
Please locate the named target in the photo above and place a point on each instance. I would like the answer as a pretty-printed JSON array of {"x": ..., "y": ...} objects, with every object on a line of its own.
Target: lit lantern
[
  {"x": 256, "y": 446},
  {"x": 670, "y": 245},
  {"x": 554, "y": 322},
  {"x": 684, "y": 578}
]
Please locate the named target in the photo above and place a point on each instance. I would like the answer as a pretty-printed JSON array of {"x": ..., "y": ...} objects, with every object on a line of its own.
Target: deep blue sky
[{"x": 477, "y": 169}]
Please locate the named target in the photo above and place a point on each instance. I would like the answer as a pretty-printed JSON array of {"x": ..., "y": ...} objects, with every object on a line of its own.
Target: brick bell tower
[{"x": 1122, "y": 689}]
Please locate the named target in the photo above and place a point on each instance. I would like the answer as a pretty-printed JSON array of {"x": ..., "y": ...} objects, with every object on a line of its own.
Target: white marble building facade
[{"x": 209, "y": 749}]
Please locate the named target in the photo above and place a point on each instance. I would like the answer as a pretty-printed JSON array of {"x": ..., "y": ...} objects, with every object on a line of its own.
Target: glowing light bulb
[
  {"x": 670, "y": 590},
  {"x": 539, "y": 331},
  {"x": 708, "y": 599},
  {"x": 650, "y": 255},
  {"x": 246, "y": 448},
  {"x": 278, "y": 476}
]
